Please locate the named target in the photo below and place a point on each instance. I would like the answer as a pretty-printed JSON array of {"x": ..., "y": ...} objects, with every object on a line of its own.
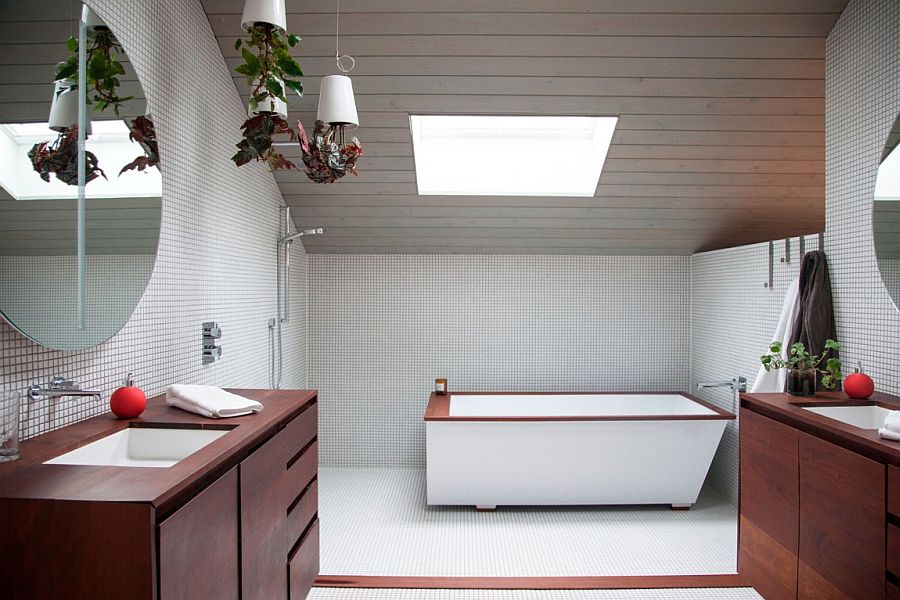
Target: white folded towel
[
  {"x": 892, "y": 422},
  {"x": 210, "y": 401},
  {"x": 889, "y": 434}
]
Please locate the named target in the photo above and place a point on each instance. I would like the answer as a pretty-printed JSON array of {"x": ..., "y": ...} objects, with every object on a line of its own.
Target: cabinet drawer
[
  {"x": 301, "y": 471},
  {"x": 302, "y": 513},
  {"x": 893, "y": 498},
  {"x": 303, "y": 567},
  {"x": 893, "y": 550},
  {"x": 299, "y": 432}
]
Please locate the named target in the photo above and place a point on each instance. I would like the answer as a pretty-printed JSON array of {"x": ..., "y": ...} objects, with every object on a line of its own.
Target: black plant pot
[{"x": 801, "y": 383}]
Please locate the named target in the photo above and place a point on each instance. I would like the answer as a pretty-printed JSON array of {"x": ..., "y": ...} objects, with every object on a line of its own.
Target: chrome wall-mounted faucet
[
  {"x": 737, "y": 384},
  {"x": 58, "y": 388}
]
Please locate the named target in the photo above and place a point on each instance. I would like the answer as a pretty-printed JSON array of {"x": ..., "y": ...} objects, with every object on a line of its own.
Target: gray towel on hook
[{"x": 815, "y": 320}]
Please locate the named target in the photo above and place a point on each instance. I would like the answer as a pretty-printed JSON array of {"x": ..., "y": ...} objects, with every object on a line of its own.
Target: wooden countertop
[
  {"x": 789, "y": 410},
  {"x": 164, "y": 488}
]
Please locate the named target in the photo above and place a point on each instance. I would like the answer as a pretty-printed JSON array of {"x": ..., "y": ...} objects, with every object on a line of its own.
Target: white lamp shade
[
  {"x": 336, "y": 103},
  {"x": 90, "y": 18},
  {"x": 276, "y": 105},
  {"x": 264, "y": 11},
  {"x": 64, "y": 108}
]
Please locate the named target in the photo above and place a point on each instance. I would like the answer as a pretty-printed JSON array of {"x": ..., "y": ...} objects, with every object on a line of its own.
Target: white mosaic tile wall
[
  {"x": 216, "y": 257},
  {"x": 862, "y": 98},
  {"x": 733, "y": 319},
  {"x": 383, "y": 327}
]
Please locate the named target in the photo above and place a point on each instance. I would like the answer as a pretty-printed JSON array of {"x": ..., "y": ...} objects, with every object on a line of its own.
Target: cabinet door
[
  {"x": 769, "y": 522},
  {"x": 842, "y": 523},
  {"x": 198, "y": 545}
]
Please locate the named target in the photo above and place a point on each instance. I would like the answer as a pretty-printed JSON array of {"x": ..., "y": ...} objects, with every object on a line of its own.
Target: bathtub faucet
[{"x": 737, "y": 384}]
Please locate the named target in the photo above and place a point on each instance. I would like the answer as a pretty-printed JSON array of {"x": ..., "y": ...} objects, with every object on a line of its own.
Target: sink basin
[
  {"x": 864, "y": 417},
  {"x": 140, "y": 447}
]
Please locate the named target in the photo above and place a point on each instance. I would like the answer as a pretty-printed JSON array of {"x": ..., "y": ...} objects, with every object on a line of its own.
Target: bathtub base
[
  {"x": 485, "y": 507},
  {"x": 485, "y": 464}
]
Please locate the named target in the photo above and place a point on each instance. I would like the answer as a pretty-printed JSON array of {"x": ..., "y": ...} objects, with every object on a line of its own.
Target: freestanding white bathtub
[{"x": 571, "y": 448}]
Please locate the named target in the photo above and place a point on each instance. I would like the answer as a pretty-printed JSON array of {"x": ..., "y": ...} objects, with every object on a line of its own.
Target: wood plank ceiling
[{"x": 720, "y": 140}]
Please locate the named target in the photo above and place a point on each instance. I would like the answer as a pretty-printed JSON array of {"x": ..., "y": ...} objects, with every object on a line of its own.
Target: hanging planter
[
  {"x": 326, "y": 158},
  {"x": 60, "y": 157},
  {"x": 270, "y": 71},
  {"x": 143, "y": 132}
]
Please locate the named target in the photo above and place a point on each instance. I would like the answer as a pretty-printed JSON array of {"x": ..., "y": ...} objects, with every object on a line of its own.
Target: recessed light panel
[{"x": 509, "y": 156}]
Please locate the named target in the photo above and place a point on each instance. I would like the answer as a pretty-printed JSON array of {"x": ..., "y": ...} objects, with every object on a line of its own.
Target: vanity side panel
[
  {"x": 83, "y": 550},
  {"x": 769, "y": 500},
  {"x": 842, "y": 523}
]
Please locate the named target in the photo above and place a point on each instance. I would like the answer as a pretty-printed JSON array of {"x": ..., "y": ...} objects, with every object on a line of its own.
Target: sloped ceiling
[{"x": 720, "y": 139}]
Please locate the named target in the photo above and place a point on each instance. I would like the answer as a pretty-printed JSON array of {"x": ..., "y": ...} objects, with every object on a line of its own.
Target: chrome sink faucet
[
  {"x": 737, "y": 384},
  {"x": 59, "y": 387}
]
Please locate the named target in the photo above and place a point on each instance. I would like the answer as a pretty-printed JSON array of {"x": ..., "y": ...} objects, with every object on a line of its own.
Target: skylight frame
[{"x": 510, "y": 155}]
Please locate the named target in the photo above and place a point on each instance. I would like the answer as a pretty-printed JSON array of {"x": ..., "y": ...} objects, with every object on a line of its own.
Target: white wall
[{"x": 383, "y": 327}]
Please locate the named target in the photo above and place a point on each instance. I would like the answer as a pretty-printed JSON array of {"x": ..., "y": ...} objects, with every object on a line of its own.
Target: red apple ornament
[
  {"x": 128, "y": 402},
  {"x": 858, "y": 385}
]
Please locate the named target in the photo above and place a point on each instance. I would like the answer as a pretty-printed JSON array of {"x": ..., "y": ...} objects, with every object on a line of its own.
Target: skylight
[
  {"x": 108, "y": 140},
  {"x": 509, "y": 155},
  {"x": 887, "y": 186}
]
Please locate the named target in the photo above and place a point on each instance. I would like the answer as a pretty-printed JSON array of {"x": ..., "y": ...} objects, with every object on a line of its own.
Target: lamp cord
[{"x": 338, "y": 57}]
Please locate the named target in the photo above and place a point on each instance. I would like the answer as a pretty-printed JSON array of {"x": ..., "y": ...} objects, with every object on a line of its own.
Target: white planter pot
[
  {"x": 264, "y": 11},
  {"x": 336, "y": 103}
]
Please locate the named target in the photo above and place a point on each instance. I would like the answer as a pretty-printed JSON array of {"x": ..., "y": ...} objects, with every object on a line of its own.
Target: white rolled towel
[
  {"x": 889, "y": 434},
  {"x": 892, "y": 422},
  {"x": 210, "y": 401}
]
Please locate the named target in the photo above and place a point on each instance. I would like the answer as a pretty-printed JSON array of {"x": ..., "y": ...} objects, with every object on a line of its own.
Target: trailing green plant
[
  {"x": 143, "y": 132},
  {"x": 103, "y": 69},
  {"x": 267, "y": 59},
  {"x": 799, "y": 359},
  {"x": 270, "y": 71},
  {"x": 60, "y": 157}
]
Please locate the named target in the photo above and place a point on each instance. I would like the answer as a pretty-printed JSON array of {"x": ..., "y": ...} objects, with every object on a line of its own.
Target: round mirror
[
  {"x": 42, "y": 265},
  {"x": 886, "y": 214}
]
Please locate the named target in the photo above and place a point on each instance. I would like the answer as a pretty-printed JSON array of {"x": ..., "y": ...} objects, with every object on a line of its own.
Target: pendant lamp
[
  {"x": 264, "y": 11},
  {"x": 337, "y": 106}
]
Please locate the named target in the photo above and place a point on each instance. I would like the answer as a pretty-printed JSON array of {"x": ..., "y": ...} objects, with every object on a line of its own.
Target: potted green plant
[
  {"x": 803, "y": 367},
  {"x": 103, "y": 69},
  {"x": 270, "y": 71}
]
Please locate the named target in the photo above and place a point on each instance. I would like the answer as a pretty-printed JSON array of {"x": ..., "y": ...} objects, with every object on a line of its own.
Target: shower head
[{"x": 290, "y": 238}]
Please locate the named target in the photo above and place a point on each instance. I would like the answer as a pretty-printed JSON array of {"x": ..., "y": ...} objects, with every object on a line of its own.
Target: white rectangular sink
[
  {"x": 864, "y": 417},
  {"x": 140, "y": 447}
]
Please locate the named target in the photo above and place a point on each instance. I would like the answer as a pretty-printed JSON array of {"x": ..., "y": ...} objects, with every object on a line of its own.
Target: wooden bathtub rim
[
  {"x": 609, "y": 582},
  {"x": 438, "y": 408}
]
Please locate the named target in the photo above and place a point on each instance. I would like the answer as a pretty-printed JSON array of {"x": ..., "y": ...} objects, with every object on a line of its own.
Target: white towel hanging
[{"x": 773, "y": 381}]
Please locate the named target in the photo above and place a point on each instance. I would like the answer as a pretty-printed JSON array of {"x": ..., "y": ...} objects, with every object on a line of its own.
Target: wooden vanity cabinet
[
  {"x": 237, "y": 519},
  {"x": 812, "y": 516}
]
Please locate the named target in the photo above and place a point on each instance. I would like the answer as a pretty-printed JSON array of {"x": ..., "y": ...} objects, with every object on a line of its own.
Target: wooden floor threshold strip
[{"x": 534, "y": 583}]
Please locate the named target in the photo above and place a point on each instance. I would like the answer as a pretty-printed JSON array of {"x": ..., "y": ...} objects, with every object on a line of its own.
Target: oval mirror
[
  {"x": 886, "y": 214},
  {"x": 38, "y": 183}
]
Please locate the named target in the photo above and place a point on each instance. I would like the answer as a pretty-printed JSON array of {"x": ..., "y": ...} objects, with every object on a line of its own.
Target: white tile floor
[
  {"x": 375, "y": 522},
  {"x": 672, "y": 594}
]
